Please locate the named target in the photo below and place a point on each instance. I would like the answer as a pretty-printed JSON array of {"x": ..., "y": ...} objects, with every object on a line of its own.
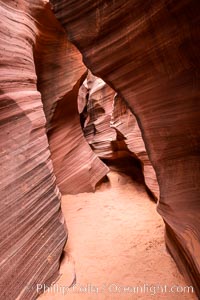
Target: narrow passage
[{"x": 116, "y": 244}]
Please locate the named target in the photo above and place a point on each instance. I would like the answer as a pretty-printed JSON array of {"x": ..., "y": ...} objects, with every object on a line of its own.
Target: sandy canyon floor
[{"x": 115, "y": 248}]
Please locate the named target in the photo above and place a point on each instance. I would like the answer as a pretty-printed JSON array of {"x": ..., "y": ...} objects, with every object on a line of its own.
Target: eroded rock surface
[
  {"x": 40, "y": 76},
  {"x": 76, "y": 166},
  {"x": 125, "y": 122},
  {"x": 98, "y": 111},
  {"x": 148, "y": 51},
  {"x": 60, "y": 74},
  {"x": 112, "y": 131},
  {"x": 31, "y": 225}
]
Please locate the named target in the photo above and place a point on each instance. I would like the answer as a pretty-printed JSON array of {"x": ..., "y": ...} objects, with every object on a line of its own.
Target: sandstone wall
[
  {"x": 112, "y": 131},
  {"x": 40, "y": 75},
  {"x": 148, "y": 51},
  {"x": 31, "y": 226}
]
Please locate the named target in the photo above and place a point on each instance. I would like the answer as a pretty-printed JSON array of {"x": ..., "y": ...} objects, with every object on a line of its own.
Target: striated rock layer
[
  {"x": 32, "y": 228},
  {"x": 76, "y": 166},
  {"x": 113, "y": 133},
  {"x": 98, "y": 110},
  {"x": 125, "y": 122},
  {"x": 31, "y": 225},
  {"x": 60, "y": 73},
  {"x": 148, "y": 52}
]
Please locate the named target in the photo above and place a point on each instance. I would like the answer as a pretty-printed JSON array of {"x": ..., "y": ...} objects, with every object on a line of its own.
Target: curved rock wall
[
  {"x": 40, "y": 72},
  {"x": 125, "y": 122},
  {"x": 112, "y": 131},
  {"x": 31, "y": 226},
  {"x": 76, "y": 167},
  {"x": 98, "y": 105},
  {"x": 60, "y": 73},
  {"x": 148, "y": 52}
]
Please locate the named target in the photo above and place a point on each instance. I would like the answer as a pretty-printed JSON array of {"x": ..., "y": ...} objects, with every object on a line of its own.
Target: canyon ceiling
[{"x": 147, "y": 53}]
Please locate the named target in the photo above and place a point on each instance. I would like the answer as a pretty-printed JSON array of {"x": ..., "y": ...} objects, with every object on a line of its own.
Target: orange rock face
[
  {"x": 99, "y": 101},
  {"x": 148, "y": 52},
  {"x": 113, "y": 133},
  {"x": 40, "y": 76},
  {"x": 125, "y": 123},
  {"x": 32, "y": 230},
  {"x": 76, "y": 167},
  {"x": 60, "y": 73}
]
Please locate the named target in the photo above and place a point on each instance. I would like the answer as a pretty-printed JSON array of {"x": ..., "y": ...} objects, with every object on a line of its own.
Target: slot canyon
[{"x": 99, "y": 149}]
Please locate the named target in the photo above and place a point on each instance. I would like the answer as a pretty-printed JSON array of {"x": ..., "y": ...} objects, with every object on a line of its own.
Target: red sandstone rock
[
  {"x": 31, "y": 225},
  {"x": 76, "y": 166},
  {"x": 60, "y": 73},
  {"x": 112, "y": 130},
  {"x": 148, "y": 52},
  {"x": 97, "y": 128},
  {"x": 125, "y": 123}
]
